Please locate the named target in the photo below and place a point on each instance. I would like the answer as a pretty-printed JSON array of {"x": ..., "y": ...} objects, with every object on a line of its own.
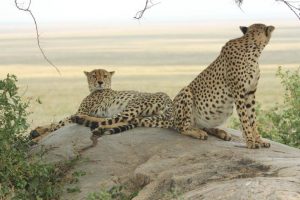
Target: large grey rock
[{"x": 163, "y": 164}]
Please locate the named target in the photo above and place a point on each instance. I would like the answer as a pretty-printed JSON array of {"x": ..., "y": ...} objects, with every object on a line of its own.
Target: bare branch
[
  {"x": 294, "y": 6},
  {"x": 239, "y": 2},
  {"x": 27, "y": 9},
  {"x": 149, "y": 4}
]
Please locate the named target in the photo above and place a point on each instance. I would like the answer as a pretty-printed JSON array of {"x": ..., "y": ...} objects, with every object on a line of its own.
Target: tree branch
[
  {"x": 27, "y": 9},
  {"x": 149, "y": 4},
  {"x": 292, "y": 6},
  {"x": 239, "y": 2}
]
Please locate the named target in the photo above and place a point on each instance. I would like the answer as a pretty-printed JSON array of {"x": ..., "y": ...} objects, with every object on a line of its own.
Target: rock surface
[{"x": 162, "y": 164}]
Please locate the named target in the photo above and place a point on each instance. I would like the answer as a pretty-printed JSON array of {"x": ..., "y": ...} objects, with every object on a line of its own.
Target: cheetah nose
[{"x": 100, "y": 82}]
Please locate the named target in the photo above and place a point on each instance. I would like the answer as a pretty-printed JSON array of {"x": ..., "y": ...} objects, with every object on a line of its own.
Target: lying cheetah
[
  {"x": 97, "y": 80},
  {"x": 114, "y": 109},
  {"x": 232, "y": 78}
]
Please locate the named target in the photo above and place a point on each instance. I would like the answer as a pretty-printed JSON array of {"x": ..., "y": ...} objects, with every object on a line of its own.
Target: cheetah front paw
[
  {"x": 196, "y": 133},
  {"x": 252, "y": 145},
  {"x": 225, "y": 136},
  {"x": 36, "y": 134},
  {"x": 219, "y": 133},
  {"x": 263, "y": 143}
]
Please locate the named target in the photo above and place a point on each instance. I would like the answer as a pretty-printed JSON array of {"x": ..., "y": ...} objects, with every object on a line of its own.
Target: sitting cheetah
[
  {"x": 232, "y": 78},
  {"x": 117, "y": 107}
]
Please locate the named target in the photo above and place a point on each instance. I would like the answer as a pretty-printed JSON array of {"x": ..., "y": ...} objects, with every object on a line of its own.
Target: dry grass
[
  {"x": 61, "y": 95},
  {"x": 145, "y": 60}
]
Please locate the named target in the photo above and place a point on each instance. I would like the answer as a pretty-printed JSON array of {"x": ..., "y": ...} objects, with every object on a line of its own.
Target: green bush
[
  {"x": 282, "y": 122},
  {"x": 116, "y": 192},
  {"x": 21, "y": 175},
  {"x": 285, "y": 118}
]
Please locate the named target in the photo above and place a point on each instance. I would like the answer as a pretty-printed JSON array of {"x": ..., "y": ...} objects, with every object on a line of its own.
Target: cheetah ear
[
  {"x": 86, "y": 73},
  {"x": 112, "y": 73},
  {"x": 269, "y": 30},
  {"x": 244, "y": 29}
]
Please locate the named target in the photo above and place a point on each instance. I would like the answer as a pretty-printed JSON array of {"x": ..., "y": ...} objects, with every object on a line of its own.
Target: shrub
[
  {"x": 116, "y": 192},
  {"x": 22, "y": 176},
  {"x": 282, "y": 122},
  {"x": 285, "y": 118}
]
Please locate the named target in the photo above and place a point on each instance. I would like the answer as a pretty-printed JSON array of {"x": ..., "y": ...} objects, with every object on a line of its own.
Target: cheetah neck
[
  {"x": 242, "y": 47},
  {"x": 251, "y": 44}
]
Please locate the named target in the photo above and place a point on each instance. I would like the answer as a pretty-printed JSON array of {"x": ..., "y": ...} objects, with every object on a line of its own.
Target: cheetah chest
[
  {"x": 214, "y": 118},
  {"x": 252, "y": 77},
  {"x": 214, "y": 113}
]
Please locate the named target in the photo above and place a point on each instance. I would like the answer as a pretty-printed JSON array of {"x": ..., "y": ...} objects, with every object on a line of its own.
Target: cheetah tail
[
  {"x": 84, "y": 122},
  {"x": 99, "y": 132}
]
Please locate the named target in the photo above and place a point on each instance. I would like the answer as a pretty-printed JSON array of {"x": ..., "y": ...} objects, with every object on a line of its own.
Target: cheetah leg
[
  {"x": 93, "y": 122},
  {"x": 134, "y": 115},
  {"x": 250, "y": 105},
  {"x": 195, "y": 133},
  {"x": 99, "y": 127},
  {"x": 153, "y": 121},
  {"x": 115, "y": 124},
  {"x": 90, "y": 118},
  {"x": 218, "y": 133},
  {"x": 121, "y": 119},
  {"x": 183, "y": 118},
  {"x": 244, "y": 119},
  {"x": 98, "y": 132},
  {"x": 157, "y": 115},
  {"x": 42, "y": 131},
  {"x": 164, "y": 120}
]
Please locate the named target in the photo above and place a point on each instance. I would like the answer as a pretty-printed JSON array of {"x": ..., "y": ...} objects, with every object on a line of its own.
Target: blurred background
[{"x": 173, "y": 42}]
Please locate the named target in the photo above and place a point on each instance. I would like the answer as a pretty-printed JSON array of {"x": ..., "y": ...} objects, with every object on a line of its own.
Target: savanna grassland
[{"x": 145, "y": 59}]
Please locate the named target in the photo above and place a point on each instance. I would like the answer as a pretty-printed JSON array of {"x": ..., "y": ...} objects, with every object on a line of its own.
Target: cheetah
[
  {"x": 97, "y": 80},
  {"x": 231, "y": 79},
  {"x": 114, "y": 109}
]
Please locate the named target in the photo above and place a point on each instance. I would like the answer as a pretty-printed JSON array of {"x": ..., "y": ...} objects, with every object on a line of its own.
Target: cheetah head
[
  {"x": 260, "y": 34},
  {"x": 99, "y": 79}
]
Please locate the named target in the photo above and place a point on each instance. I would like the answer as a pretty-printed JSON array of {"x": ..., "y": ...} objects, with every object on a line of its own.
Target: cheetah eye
[
  {"x": 105, "y": 76},
  {"x": 94, "y": 76}
]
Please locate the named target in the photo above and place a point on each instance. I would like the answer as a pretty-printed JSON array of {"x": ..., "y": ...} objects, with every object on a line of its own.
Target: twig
[
  {"x": 239, "y": 2},
  {"x": 149, "y": 4},
  {"x": 290, "y": 4},
  {"x": 37, "y": 33}
]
